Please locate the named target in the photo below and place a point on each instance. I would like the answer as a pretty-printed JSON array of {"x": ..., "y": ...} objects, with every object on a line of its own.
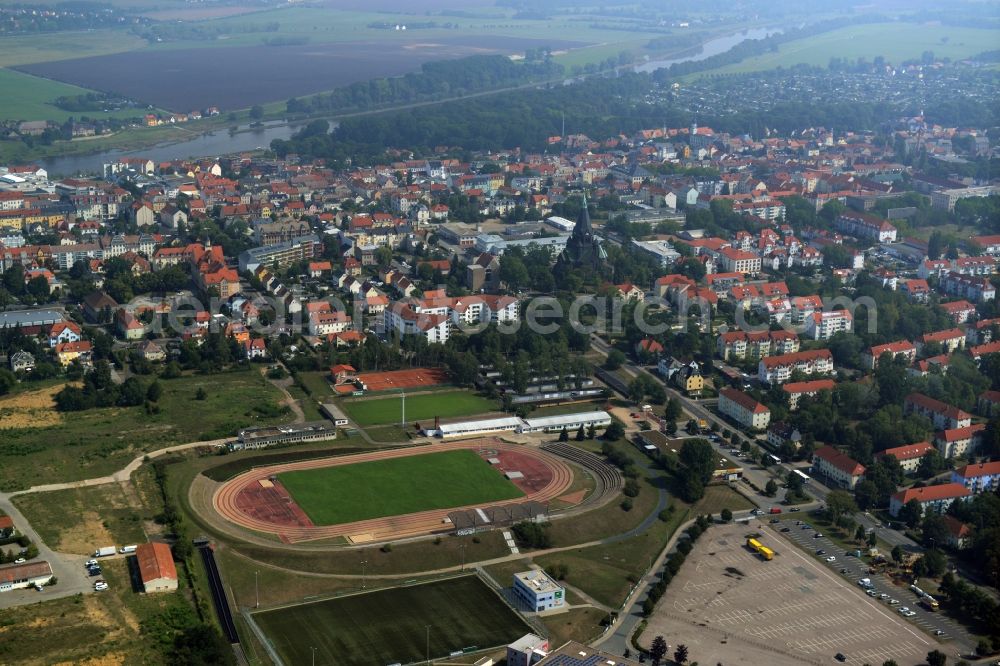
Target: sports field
[
  {"x": 396, "y": 486},
  {"x": 421, "y": 407},
  {"x": 390, "y": 626}
]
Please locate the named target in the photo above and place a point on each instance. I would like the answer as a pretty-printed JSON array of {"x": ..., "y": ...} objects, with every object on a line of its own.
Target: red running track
[{"x": 546, "y": 477}]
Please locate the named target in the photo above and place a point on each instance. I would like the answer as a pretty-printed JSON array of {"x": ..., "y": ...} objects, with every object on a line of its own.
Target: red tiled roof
[
  {"x": 810, "y": 386},
  {"x": 798, "y": 357},
  {"x": 981, "y": 469},
  {"x": 932, "y": 493},
  {"x": 155, "y": 561},
  {"x": 841, "y": 461},
  {"x": 936, "y": 406},
  {"x": 744, "y": 400},
  {"x": 908, "y": 451},
  {"x": 958, "y": 434}
]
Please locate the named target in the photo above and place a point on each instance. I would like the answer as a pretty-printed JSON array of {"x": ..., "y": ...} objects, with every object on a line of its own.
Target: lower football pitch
[
  {"x": 390, "y": 626},
  {"x": 396, "y": 486}
]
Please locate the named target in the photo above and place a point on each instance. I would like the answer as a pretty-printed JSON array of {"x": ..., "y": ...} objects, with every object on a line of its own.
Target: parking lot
[
  {"x": 806, "y": 538},
  {"x": 730, "y": 606}
]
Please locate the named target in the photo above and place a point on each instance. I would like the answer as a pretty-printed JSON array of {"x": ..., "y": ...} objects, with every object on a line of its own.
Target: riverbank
[{"x": 232, "y": 133}]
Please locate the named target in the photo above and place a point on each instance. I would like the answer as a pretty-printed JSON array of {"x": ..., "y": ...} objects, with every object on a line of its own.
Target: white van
[{"x": 127, "y": 549}]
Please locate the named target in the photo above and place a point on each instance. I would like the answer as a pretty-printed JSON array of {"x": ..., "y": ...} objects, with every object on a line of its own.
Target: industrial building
[
  {"x": 515, "y": 424},
  {"x": 538, "y": 590},
  {"x": 481, "y": 427},
  {"x": 28, "y": 574},
  {"x": 156, "y": 567},
  {"x": 527, "y": 650}
]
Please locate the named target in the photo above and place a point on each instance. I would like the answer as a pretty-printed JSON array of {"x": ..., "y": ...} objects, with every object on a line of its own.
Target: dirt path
[{"x": 290, "y": 402}]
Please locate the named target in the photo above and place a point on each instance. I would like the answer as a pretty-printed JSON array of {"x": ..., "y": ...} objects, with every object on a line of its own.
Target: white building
[
  {"x": 480, "y": 427},
  {"x": 824, "y": 325},
  {"x": 779, "y": 369},
  {"x": 539, "y": 591},
  {"x": 743, "y": 409},
  {"x": 28, "y": 574},
  {"x": 527, "y": 650},
  {"x": 571, "y": 422}
]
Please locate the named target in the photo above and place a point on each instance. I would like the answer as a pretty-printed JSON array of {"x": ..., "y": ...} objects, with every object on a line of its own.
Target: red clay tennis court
[{"x": 397, "y": 379}]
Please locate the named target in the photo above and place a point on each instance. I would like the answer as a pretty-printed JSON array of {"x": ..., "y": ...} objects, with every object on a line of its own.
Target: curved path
[{"x": 224, "y": 501}]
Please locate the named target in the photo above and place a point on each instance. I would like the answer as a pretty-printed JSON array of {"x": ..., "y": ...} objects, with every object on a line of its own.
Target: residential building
[
  {"x": 903, "y": 348},
  {"x": 779, "y": 369},
  {"x": 979, "y": 477},
  {"x": 824, "y": 325},
  {"x": 941, "y": 414},
  {"x": 539, "y": 591},
  {"x": 732, "y": 260},
  {"x": 950, "y": 339},
  {"x": 932, "y": 499},
  {"x": 977, "y": 289},
  {"x": 327, "y": 323},
  {"x": 156, "y": 567},
  {"x": 22, "y": 361},
  {"x": 989, "y": 403},
  {"x": 67, "y": 352},
  {"x": 959, "y": 442},
  {"x": 284, "y": 254},
  {"x": 909, "y": 455},
  {"x": 863, "y": 225},
  {"x": 796, "y": 390},
  {"x": 743, "y": 409},
  {"x": 959, "y": 534},
  {"x": 757, "y": 344},
  {"x": 64, "y": 331},
  {"x": 839, "y": 467}
]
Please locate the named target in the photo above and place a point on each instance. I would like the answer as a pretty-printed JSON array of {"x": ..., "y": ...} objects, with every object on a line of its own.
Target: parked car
[
  {"x": 840, "y": 657},
  {"x": 821, "y": 552},
  {"x": 786, "y": 529},
  {"x": 903, "y": 610},
  {"x": 774, "y": 520},
  {"x": 795, "y": 508},
  {"x": 100, "y": 586},
  {"x": 910, "y": 613},
  {"x": 20, "y": 560},
  {"x": 832, "y": 558},
  {"x": 818, "y": 535},
  {"x": 893, "y": 602}
]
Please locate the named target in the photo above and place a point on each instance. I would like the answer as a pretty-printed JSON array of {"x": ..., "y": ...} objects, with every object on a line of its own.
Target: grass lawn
[
  {"x": 79, "y": 520},
  {"x": 422, "y": 406},
  {"x": 577, "y": 624},
  {"x": 894, "y": 41},
  {"x": 117, "y": 626},
  {"x": 607, "y": 572},
  {"x": 389, "y": 626},
  {"x": 719, "y": 497},
  {"x": 397, "y": 486},
  {"x": 55, "y": 447},
  {"x": 35, "y": 95}
]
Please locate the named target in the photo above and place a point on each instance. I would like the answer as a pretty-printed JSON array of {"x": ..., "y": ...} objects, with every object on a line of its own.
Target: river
[
  {"x": 710, "y": 48},
  {"x": 219, "y": 142},
  {"x": 222, "y": 142}
]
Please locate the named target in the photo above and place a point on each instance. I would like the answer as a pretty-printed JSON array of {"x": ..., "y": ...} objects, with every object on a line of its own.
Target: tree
[
  {"x": 897, "y": 554},
  {"x": 614, "y": 360},
  {"x": 699, "y": 458},
  {"x": 200, "y": 394},
  {"x": 658, "y": 650},
  {"x": 580, "y": 434},
  {"x": 154, "y": 391},
  {"x": 256, "y": 112},
  {"x": 931, "y": 464},
  {"x": 614, "y": 431},
  {"x": 770, "y": 488},
  {"x": 911, "y": 513},
  {"x": 563, "y": 435},
  {"x": 726, "y": 515},
  {"x": 681, "y": 654},
  {"x": 839, "y": 503},
  {"x": 673, "y": 410},
  {"x": 936, "y": 658},
  {"x": 860, "y": 534}
]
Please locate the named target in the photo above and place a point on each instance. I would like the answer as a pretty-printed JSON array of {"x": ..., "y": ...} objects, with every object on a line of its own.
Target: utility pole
[
  {"x": 256, "y": 590},
  {"x": 428, "y": 627},
  {"x": 403, "y": 417},
  {"x": 463, "y": 546},
  {"x": 313, "y": 656},
  {"x": 363, "y": 563}
]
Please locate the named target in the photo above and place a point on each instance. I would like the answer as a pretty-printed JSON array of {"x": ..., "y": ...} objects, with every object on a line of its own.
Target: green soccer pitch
[
  {"x": 396, "y": 486},
  {"x": 419, "y": 407},
  {"x": 390, "y": 626}
]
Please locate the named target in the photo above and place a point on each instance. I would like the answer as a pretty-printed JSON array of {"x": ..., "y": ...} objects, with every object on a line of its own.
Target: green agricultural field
[
  {"x": 25, "y": 49},
  {"x": 421, "y": 406},
  {"x": 390, "y": 626},
  {"x": 344, "y": 494},
  {"x": 33, "y": 97},
  {"x": 42, "y": 445},
  {"x": 894, "y": 41}
]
